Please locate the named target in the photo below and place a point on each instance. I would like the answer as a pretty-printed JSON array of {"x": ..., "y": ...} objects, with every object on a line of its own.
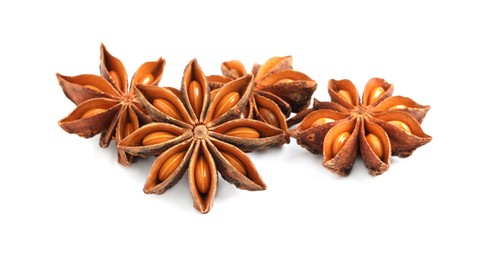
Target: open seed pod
[
  {"x": 202, "y": 137},
  {"x": 341, "y": 128},
  {"x": 275, "y": 82},
  {"x": 106, "y": 104}
]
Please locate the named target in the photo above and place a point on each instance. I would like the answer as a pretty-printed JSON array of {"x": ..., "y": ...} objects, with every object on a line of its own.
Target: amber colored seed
[
  {"x": 376, "y": 93},
  {"x": 321, "y": 121},
  {"x": 147, "y": 79},
  {"x": 202, "y": 175},
  {"x": 157, "y": 138},
  {"x": 235, "y": 162},
  {"x": 375, "y": 144},
  {"x": 92, "y": 87},
  {"x": 243, "y": 132},
  {"x": 269, "y": 116},
  {"x": 128, "y": 129},
  {"x": 115, "y": 77},
  {"x": 170, "y": 165},
  {"x": 213, "y": 93},
  {"x": 167, "y": 108},
  {"x": 195, "y": 94},
  {"x": 92, "y": 112},
  {"x": 346, "y": 95},
  {"x": 339, "y": 143},
  {"x": 404, "y": 127},
  {"x": 398, "y": 107},
  {"x": 226, "y": 103},
  {"x": 285, "y": 81}
]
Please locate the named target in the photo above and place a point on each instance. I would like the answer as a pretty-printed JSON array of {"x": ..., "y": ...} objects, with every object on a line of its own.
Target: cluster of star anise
[{"x": 210, "y": 123}]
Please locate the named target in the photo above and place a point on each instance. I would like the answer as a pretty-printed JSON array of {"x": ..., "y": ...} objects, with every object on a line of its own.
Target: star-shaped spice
[
  {"x": 279, "y": 90},
  {"x": 378, "y": 127},
  {"x": 105, "y": 104},
  {"x": 201, "y": 135}
]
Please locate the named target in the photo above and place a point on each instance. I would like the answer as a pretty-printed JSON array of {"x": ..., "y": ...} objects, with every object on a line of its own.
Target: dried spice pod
[
  {"x": 275, "y": 80},
  {"x": 377, "y": 126},
  {"x": 205, "y": 135},
  {"x": 107, "y": 104}
]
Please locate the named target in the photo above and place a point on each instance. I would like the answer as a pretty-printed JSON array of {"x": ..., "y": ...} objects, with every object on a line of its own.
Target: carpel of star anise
[
  {"x": 200, "y": 135},
  {"x": 378, "y": 126},
  {"x": 105, "y": 104},
  {"x": 279, "y": 90}
]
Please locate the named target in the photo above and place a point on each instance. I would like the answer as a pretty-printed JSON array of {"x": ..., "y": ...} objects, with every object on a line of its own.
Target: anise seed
[
  {"x": 339, "y": 143},
  {"x": 202, "y": 176},
  {"x": 157, "y": 138},
  {"x": 235, "y": 162},
  {"x": 147, "y": 79},
  {"x": 375, "y": 144},
  {"x": 92, "y": 112},
  {"x": 226, "y": 103},
  {"x": 322, "y": 121},
  {"x": 167, "y": 108},
  {"x": 269, "y": 116},
  {"x": 404, "y": 127},
  {"x": 243, "y": 132},
  {"x": 195, "y": 94},
  {"x": 346, "y": 95},
  {"x": 170, "y": 165},
  {"x": 397, "y": 107},
  {"x": 376, "y": 93}
]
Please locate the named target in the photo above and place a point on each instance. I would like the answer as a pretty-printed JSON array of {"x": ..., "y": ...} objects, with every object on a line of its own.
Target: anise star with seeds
[
  {"x": 378, "y": 127},
  {"x": 105, "y": 104},
  {"x": 201, "y": 135},
  {"x": 278, "y": 91}
]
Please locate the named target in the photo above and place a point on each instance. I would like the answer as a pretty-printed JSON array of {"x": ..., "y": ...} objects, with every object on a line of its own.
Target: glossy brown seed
[
  {"x": 170, "y": 165},
  {"x": 157, "y": 138},
  {"x": 375, "y": 144},
  {"x": 322, "y": 121},
  {"x": 397, "y": 107},
  {"x": 148, "y": 78},
  {"x": 226, "y": 103},
  {"x": 167, "y": 108},
  {"x": 404, "y": 127},
  {"x": 195, "y": 94},
  {"x": 235, "y": 162},
  {"x": 339, "y": 143},
  {"x": 243, "y": 132},
  {"x": 128, "y": 129},
  {"x": 92, "y": 87},
  {"x": 92, "y": 112},
  {"x": 376, "y": 93},
  {"x": 201, "y": 175},
  {"x": 269, "y": 116},
  {"x": 346, "y": 95},
  {"x": 115, "y": 77}
]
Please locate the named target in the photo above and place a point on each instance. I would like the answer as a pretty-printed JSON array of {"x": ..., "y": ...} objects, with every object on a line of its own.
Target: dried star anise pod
[
  {"x": 279, "y": 90},
  {"x": 105, "y": 104},
  {"x": 380, "y": 126},
  {"x": 201, "y": 135}
]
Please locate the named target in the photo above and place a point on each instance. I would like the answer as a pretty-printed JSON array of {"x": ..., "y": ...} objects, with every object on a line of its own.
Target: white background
[{"x": 63, "y": 197}]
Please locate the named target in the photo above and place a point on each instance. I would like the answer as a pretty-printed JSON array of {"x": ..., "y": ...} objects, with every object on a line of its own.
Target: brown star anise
[
  {"x": 380, "y": 126},
  {"x": 279, "y": 90},
  {"x": 200, "y": 135},
  {"x": 105, "y": 104}
]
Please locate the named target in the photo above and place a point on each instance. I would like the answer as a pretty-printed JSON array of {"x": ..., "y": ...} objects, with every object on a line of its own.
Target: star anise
[
  {"x": 380, "y": 126},
  {"x": 279, "y": 90},
  {"x": 201, "y": 135},
  {"x": 105, "y": 104}
]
